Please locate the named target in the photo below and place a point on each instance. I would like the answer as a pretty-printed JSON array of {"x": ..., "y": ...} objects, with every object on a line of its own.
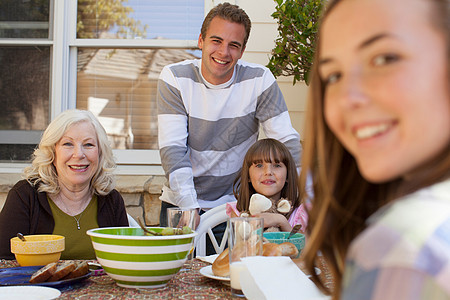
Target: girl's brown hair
[
  {"x": 264, "y": 151},
  {"x": 343, "y": 199}
]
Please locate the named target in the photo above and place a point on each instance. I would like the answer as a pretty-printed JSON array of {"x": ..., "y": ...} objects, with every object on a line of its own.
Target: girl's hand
[{"x": 275, "y": 220}]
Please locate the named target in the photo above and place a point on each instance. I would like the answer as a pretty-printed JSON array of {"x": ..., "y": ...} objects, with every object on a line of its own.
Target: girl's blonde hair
[
  {"x": 42, "y": 173},
  {"x": 265, "y": 150},
  {"x": 343, "y": 199}
]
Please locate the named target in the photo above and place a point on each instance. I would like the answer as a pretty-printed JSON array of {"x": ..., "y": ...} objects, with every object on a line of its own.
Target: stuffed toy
[{"x": 261, "y": 204}]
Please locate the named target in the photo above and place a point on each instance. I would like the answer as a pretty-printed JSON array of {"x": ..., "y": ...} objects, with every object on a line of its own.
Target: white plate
[
  {"x": 207, "y": 272},
  {"x": 28, "y": 292}
]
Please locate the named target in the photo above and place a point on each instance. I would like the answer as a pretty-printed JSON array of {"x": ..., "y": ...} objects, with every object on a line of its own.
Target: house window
[
  {"x": 118, "y": 82},
  {"x": 24, "y": 87},
  {"x": 104, "y": 56},
  {"x": 140, "y": 19},
  {"x": 119, "y": 87},
  {"x": 24, "y": 19},
  {"x": 25, "y": 55}
]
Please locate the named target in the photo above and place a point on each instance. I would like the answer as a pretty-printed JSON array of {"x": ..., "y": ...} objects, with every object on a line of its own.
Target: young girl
[
  {"x": 269, "y": 169},
  {"x": 378, "y": 149}
]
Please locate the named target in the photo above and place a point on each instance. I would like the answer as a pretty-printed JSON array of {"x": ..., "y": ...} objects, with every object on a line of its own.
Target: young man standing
[{"x": 209, "y": 113}]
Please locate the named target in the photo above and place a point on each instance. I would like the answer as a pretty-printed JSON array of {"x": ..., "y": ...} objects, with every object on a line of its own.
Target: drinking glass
[
  {"x": 178, "y": 218},
  {"x": 245, "y": 239}
]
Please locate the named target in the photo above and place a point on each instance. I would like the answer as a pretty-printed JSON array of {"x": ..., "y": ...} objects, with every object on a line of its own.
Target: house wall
[
  {"x": 141, "y": 192},
  {"x": 261, "y": 42}
]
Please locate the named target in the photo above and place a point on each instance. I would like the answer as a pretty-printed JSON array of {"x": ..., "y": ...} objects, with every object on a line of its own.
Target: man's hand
[
  {"x": 197, "y": 218},
  {"x": 189, "y": 215}
]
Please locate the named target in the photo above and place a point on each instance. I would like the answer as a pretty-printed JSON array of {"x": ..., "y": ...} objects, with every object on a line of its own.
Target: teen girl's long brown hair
[{"x": 343, "y": 199}]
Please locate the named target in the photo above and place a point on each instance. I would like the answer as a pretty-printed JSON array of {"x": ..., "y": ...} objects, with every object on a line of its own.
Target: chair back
[
  {"x": 131, "y": 221},
  {"x": 208, "y": 221}
]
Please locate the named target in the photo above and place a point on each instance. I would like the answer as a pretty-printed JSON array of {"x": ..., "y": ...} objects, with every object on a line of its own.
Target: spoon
[
  {"x": 294, "y": 230},
  {"x": 151, "y": 232},
  {"x": 21, "y": 237}
]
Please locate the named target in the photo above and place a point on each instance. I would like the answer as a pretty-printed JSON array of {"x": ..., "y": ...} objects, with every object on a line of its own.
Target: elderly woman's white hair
[{"x": 42, "y": 172}]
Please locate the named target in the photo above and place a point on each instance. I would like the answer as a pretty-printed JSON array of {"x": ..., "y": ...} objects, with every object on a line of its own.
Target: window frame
[
  {"x": 63, "y": 81},
  {"x": 31, "y": 136}
]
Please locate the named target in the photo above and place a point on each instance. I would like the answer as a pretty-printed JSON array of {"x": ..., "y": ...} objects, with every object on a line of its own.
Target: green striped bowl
[{"x": 135, "y": 260}]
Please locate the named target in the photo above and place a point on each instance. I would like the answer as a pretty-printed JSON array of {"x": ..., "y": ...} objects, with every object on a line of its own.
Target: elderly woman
[{"x": 68, "y": 189}]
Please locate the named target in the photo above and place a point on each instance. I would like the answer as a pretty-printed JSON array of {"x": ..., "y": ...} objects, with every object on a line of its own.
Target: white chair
[
  {"x": 209, "y": 220},
  {"x": 131, "y": 221}
]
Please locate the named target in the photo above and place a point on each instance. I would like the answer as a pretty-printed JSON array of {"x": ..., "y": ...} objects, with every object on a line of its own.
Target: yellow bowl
[{"x": 38, "y": 250}]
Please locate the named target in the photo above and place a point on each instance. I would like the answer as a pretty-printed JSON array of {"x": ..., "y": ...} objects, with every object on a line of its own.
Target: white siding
[{"x": 261, "y": 42}]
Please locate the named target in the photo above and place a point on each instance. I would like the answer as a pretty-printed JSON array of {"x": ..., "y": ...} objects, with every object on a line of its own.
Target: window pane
[
  {"x": 147, "y": 19},
  {"x": 24, "y": 19},
  {"x": 24, "y": 88},
  {"x": 15, "y": 153},
  {"x": 24, "y": 99},
  {"x": 119, "y": 87}
]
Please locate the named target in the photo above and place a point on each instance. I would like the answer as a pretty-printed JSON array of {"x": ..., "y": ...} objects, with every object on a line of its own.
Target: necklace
[
  {"x": 70, "y": 214},
  {"x": 78, "y": 221}
]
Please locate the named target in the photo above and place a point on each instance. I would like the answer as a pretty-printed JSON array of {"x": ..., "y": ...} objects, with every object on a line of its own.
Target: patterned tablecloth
[{"x": 185, "y": 285}]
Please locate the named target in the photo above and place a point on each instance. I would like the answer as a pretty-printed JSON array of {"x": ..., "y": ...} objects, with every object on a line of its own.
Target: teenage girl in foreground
[{"x": 378, "y": 149}]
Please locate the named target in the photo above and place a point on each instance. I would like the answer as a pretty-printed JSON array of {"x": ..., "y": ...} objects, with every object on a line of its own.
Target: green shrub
[{"x": 294, "y": 47}]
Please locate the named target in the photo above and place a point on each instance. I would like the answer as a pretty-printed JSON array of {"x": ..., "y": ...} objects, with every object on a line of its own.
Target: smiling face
[
  {"x": 77, "y": 156},
  {"x": 386, "y": 84},
  {"x": 222, "y": 47},
  {"x": 268, "y": 178}
]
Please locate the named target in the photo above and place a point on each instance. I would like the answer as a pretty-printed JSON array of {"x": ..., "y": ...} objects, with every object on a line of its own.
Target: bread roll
[
  {"x": 271, "y": 249},
  {"x": 43, "y": 273},
  {"x": 221, "y": 266},
  {"x": 245, "y": 248},
  {"x": 289, "y": 249},
  {"x": 63, "y": 270}
]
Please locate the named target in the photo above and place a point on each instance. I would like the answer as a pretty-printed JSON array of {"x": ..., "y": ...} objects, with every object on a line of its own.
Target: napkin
[
  {"x": 276, "y": 277},
  {"x": 209, "y": 259}
]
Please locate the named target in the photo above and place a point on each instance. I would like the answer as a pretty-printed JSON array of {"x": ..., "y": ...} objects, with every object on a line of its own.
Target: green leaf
[{"x": 294, "y": 48}]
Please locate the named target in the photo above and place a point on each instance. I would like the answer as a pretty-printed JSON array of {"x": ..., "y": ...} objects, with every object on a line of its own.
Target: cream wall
[{"x": 261, "y": 42}]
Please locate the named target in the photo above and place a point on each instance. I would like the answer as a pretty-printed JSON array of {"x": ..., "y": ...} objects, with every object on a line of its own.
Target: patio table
[{"x": 184, "y": 285}]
